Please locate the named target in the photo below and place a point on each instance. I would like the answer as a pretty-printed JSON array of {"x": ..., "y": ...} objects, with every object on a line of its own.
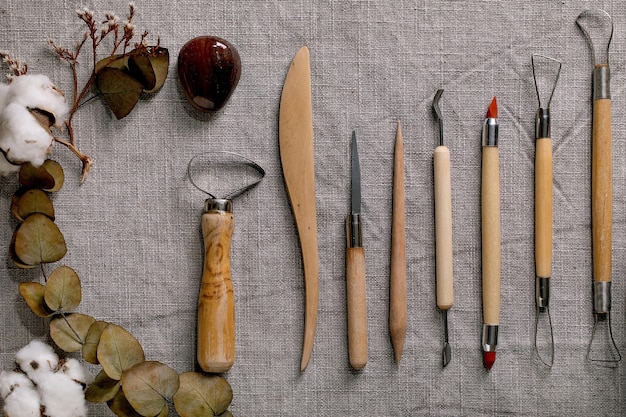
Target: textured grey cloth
[{"x": 133, "y": 227}]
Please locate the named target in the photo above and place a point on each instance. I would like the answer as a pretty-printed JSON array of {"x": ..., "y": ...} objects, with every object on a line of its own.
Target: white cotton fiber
[
  {"x": 76, "y": 371},
  {"x": 6, "y": 167},
  {"x": 61, "y": 396},
  {"x": 22, "y": 138},
  {"x": 20, "y": 397},
  {"x": 36, "y": 91},
  {"x": 37, "y": 358}
]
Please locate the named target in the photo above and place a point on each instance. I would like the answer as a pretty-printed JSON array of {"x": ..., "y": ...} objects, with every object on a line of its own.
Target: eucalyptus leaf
[
  {"x": 56, "y": 170},
  {"x": 39, "y": 240},
  {"x": 92, "y": 340},
  {"x": 34, "y": 201},
  {"x": 118, "y": 351},
  {"x": 119, "y": 90},
  {"x": 202, "y": 395},
  {"x": 226, "y": 414},
  {"x": 70, "y": 335},
  {"x": 39, "y": 177},
  {"x": 118, "y": 61},
  {"x": 32, "y": 293},
  {"x": 121, "y": 407},
  {"x": 63, "y": 291},
  {"x": 102, "y": 388},
  {"x": 160, "y": 60},
  {"x": 140, "y": 68},
  {"x": 148, "y": 385}
]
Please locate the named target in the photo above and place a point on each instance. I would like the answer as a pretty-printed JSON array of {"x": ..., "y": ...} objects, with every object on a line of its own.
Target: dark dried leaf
[
  {"x": 70, "y": 339},
  {"x": 118, "y": 61},
  {"x": 39, "y": 240},
  {"x": 120, "y": 90},
  {"x": 34, "y": 201},
  {"x": 121, "y": 407},
  {"x": 63, "y": 291},
  {"x": 102, "y": 388},
  {"x": 140, "y": 68},
  {"x": 92, "y": 340},
  {"x": 202, "y": 395},
  {"x": 39, "y": 177},
  {"x": 118, "y": 351},
  {"x": 32, "y": 293},
  {"x": 148, "y": 385},
  {"x": 160, "y": 60}
]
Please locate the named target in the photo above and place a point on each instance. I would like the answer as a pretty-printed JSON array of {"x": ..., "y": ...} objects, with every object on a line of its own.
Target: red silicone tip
[
  {"x": 489, "y": 359},
  {"x": 492, "y": 111}
]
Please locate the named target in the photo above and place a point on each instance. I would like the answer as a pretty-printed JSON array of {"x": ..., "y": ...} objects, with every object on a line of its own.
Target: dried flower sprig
[{"x": 118, "y": 76}]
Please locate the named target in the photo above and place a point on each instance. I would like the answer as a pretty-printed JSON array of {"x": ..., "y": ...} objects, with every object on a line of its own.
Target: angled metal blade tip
[{"x": 436, "y": 104}]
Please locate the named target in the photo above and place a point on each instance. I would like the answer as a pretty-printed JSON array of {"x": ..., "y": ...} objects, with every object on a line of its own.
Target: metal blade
[{"x": 356, "y": 178}]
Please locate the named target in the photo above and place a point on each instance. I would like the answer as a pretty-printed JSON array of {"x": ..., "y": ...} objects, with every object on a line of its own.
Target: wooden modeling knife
[{"x": 296, "y": 155}]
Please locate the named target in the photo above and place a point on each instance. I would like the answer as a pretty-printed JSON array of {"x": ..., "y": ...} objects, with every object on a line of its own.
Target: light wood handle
[
  {"x": 543, "y": 207},
  {"x": 490, "y": 197},
  {"x": 357, "y": 307},
  {"x": 397, "y": 277},
  {"x": 443, "y": 228},
  {"x": 216, "y": 304},
  {"x": 601, "y": 189}
]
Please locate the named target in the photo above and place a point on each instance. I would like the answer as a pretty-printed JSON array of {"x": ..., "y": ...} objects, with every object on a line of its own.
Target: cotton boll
[
  {"x": 37, "y": 358},
  {"x": 61, "y": 396},
  {"x": 22, "y": 138},
  {"x": 75, "y": 371},
  {"x": 20, "y": 397},
  {"x": 4, "y": 95},
  {"x": 36, "y": 91}
]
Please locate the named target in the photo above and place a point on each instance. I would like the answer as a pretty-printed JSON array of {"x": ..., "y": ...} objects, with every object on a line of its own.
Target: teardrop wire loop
[
  {"x": 238, "y": 159},
  {"x": 590, "y": 13},
  {"x": 549, "y": 362}
]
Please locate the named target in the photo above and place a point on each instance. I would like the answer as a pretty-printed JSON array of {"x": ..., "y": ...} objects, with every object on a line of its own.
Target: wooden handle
[
  {"x": 543, "y": 208},
  {"x": 216, "y": 304},
  {"x": 397, "y": 277},
  {"x": 490, "y": 197},
  {"x": 443, "y": 228},
  {"x": 601, "y": 189},
  {"x": 357, "y": 307}
]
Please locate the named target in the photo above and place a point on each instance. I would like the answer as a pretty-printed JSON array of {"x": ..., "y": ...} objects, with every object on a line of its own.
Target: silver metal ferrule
[
  {"x": 601, "y": 82},
  {"x": 218, "y": 204},
  {"x": 353, "y": 231},
  {"x": 601, "y": 297},
  {"x": 542, "y": 292},
  {"x": 542, "y": 123},
  {"x": 490, "y": 337},
  {"x": 490, "y": 132}
]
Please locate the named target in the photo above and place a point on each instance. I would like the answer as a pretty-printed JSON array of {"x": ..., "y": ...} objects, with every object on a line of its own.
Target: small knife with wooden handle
[
  {"x": 355, "y": 270},
  {"x": 296, "y": 155}
]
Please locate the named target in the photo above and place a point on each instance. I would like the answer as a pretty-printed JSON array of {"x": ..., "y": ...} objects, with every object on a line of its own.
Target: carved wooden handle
[
  {"x": 357, "y": 307},
  {"x": 490, "y": 196},
  {"x": 216, "y": 304},
  {"x": 543, "y": 208},
  {"x": 443, "y": 228},
  {"x": 601, "y": 189}
]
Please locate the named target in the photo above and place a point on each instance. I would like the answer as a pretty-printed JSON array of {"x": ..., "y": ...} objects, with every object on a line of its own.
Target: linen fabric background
[{"x": 133, "y": 228}]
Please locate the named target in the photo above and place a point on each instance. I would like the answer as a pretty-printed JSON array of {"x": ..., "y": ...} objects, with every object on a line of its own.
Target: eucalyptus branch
[{"x": 78, "y": 338}]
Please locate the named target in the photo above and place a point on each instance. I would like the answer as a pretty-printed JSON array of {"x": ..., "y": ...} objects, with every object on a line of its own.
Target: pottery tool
[
  {"x": 355, "y": 269},
  {"x": 546, "y": 73},
  {"x": 443, "y": 229},
  {"x": 296, "y": 154},
  {"x": 597, "y": 27},
  {"x": 226, "y": 172},
  {"x": 397, "y": 277},
  {"x": 490, "y": 207}
]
